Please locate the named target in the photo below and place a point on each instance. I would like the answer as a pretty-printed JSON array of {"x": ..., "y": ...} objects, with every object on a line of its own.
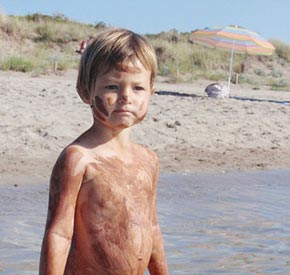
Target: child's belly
[
  {"x": 112, "y": 226},
  {"x": 125, "y": 249},
  {"x": 112, "y": 231}
]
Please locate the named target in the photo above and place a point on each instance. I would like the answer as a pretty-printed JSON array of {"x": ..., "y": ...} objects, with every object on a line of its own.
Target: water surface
[{"x": 235, "y": 223}]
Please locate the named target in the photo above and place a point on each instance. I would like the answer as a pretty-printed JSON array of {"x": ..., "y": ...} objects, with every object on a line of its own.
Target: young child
[{"x": 102, "y": 216}]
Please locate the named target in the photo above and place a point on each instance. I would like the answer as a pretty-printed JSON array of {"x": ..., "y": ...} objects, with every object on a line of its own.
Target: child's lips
[{"x": 123, "y": 112}]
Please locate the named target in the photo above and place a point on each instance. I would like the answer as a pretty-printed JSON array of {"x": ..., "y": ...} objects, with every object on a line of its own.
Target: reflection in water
[{"x": 237, "y": 223}]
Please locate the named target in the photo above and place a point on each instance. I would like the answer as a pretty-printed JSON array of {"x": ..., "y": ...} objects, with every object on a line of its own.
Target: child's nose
[{"x": 125, "y": 95}]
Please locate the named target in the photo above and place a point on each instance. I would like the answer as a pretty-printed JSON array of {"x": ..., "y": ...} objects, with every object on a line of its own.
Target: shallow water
[{"x": 236, "y": 223}]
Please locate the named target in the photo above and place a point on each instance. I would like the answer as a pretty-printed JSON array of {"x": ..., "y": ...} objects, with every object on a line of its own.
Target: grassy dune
[{"x": 42, "y": 44}]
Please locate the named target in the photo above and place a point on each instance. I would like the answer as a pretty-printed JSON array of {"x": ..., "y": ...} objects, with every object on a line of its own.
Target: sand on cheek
[
  {"x": 99, "y": 109},
  {"x": 142, "y": 111},
  {"x": 100, "y": 106}
]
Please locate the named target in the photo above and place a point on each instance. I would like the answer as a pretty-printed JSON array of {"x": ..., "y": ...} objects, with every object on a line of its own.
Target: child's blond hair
[{"x": 109, "y": 49}]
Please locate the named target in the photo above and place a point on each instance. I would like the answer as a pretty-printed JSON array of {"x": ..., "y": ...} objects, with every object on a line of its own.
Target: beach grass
[
  {"x": 45, "y": 44},
  {"x": 19, "y": 64}
]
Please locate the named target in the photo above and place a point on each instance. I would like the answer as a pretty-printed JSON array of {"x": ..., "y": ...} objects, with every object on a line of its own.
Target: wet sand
[{"x": 226, "y": 223}]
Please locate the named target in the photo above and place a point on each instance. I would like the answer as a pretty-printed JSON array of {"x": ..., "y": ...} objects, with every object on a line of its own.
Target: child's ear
[{"x": 153, "y": 90}]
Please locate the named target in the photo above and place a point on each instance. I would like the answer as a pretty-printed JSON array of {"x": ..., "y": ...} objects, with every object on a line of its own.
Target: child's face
[{"x": 122, "y": 96}]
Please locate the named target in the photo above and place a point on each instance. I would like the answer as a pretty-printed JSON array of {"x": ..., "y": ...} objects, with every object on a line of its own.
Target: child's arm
[
  {"x": 65, "y": 183},
  {"x": 157, "y": 264}
]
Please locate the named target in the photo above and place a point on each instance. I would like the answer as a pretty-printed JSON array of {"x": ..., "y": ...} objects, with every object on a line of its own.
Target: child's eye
[
  {"x": 138, "y": 88},
  {"x": 111, "y": 87}
]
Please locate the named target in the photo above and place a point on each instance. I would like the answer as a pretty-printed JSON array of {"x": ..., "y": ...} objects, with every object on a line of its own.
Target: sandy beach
[{"x": 189, "y": 131}]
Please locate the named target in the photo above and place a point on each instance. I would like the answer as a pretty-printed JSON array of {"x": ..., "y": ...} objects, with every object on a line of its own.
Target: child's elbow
[{"x": 58, "y": 235}]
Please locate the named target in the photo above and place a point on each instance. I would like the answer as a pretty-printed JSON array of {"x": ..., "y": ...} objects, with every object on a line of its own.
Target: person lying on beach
[
  {"x": 83, "y": 45},
  {"x": 102, "y": 216}
]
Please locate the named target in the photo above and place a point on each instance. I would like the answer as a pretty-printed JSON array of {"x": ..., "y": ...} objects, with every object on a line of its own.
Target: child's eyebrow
[
  {"x": 122, "y": 67},
  {"x": 108, "y": 78}
]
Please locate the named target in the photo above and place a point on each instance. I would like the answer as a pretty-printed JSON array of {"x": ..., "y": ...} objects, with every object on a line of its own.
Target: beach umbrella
[{"x": 235, "y": 39}]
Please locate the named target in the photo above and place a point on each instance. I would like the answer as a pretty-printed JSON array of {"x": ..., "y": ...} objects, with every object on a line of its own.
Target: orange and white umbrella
[{"x": 235, "y": 39}]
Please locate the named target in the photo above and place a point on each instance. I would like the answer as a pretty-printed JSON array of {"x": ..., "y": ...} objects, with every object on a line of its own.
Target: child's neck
[
  {"x": 112, "y": 143},
  {"x": 118, "y": 139}
]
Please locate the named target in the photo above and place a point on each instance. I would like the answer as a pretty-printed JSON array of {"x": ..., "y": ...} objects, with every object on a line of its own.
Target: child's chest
[{"x": 113, "y": 186}]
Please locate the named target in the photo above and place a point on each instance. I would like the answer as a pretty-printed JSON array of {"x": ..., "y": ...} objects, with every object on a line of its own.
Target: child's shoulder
[
  {"x": 147, "y": 153},
  {"x": 73, "y": 155},
  {"x": 73, "y": 150}
]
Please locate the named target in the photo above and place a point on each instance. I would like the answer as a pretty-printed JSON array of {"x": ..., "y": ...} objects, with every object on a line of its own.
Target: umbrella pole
[{"x": 231, "y": 67}]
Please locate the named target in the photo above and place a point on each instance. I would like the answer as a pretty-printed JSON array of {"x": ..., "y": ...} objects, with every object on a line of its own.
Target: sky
[{"x": 269, "y": 18}]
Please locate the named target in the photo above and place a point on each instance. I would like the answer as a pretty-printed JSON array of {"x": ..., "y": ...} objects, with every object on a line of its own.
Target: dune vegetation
[{"x": 42, "y": 44}]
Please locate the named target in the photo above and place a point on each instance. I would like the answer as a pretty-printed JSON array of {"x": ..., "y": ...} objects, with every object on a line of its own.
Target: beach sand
[{"x": 189, "y": 131}]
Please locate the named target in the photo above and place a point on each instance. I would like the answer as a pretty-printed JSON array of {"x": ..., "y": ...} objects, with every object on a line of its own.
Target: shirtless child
[{"x": 102, "y": 216}]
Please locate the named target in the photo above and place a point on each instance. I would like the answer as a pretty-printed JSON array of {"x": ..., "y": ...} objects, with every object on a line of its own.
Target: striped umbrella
[{"x": 235, "y": 39}]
